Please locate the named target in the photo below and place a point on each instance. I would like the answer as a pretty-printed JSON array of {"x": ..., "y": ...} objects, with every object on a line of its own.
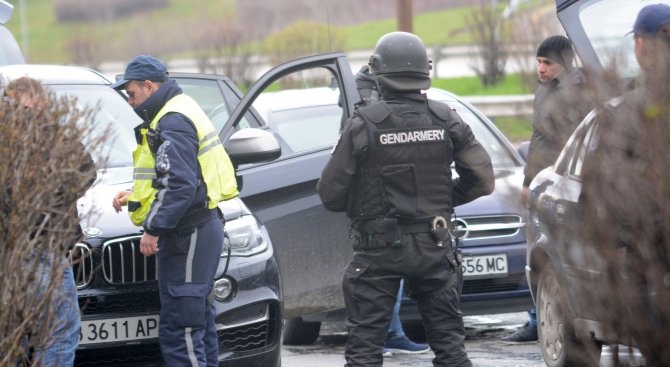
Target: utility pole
[{"x": 404, "y": 15}]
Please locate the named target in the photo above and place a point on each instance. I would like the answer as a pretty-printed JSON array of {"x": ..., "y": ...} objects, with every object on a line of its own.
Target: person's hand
[
  {"x": 148, "y": 244},
  {"x": 120, "y": 199}
]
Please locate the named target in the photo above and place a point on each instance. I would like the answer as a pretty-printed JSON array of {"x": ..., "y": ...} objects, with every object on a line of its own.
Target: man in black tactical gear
[{"x": 391, "y": 173}]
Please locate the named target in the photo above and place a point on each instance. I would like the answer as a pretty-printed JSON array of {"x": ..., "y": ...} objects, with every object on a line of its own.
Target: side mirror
[
  {"x": 252, "y": 146},
  {"x": 523, "y": 150}
]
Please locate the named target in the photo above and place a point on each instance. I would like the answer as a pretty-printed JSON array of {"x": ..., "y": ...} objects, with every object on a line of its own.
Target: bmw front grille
[{"x": 123, "y": 263}]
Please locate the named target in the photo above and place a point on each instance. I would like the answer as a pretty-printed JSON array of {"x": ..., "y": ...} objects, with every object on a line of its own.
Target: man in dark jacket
[
  {"x": 559, "y": 106},
  {"x": 181, "y": 174},
  {"x": 391, "y": 172}
]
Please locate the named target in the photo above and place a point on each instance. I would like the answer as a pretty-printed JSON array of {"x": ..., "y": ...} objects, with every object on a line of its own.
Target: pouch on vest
[{"x": 400, "y": 189}]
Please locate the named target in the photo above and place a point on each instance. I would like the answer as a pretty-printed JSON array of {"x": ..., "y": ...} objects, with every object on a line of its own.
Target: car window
[
  {"x": 112, "y": 115},
  {"x": 307, "y": 128},
  {"x": 215, "y": 101},
  {"x": 303, "y": 111},
  {"x": 565, "y": 157},
  {"x": 500, "y": 155},
  {"x": 584, "y": 146},
  {"x": 481, "y": 127},
  {"x": 608, "y": 34}
]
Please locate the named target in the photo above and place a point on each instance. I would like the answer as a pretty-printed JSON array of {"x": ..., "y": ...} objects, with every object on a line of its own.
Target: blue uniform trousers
[{"x": 186, "y": 268}]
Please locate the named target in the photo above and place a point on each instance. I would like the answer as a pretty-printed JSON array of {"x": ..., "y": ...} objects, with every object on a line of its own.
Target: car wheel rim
[{"x": 551, "y": 323}]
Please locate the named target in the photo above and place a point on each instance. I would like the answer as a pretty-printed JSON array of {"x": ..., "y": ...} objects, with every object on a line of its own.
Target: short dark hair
[{"x": 25, "y": 86}]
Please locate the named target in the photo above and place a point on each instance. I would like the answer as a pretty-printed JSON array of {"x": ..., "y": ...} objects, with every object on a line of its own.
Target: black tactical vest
[{"x": 405, "y": 173}]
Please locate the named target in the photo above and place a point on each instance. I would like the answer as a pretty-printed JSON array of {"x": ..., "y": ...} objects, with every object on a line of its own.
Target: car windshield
[
  {"x": 500, "y": 155},
  {"x": 608, "y": 33},
  {"x": 112, "y": 115},
  {"x": 302, "y": 124}
]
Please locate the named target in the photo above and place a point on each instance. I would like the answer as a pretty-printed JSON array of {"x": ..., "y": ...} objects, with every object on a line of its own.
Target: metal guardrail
[{"x": 508, "y": 105}]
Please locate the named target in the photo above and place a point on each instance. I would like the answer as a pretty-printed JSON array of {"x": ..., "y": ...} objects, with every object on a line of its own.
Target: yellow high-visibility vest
[{"x": 217, "y": 170}]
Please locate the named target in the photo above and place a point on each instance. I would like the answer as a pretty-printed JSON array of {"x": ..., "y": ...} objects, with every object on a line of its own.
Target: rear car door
[{"x": 311, "y": 243}]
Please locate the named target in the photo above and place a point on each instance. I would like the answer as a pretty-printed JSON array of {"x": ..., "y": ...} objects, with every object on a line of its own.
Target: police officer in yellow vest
[{"x": 181, "y": 174}]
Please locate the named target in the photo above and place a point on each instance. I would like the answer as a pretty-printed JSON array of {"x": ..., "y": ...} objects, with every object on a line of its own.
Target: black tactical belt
[
  {"x": 383, "y": 225},
  {"x": 389, "y": 228}
]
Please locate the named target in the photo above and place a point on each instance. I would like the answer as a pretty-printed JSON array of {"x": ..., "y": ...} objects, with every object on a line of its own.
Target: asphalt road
[{"x": 482, "y": 344}]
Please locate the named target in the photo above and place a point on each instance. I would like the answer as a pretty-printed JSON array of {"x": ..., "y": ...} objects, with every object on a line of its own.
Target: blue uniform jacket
[{"x": 178, "y": 174}]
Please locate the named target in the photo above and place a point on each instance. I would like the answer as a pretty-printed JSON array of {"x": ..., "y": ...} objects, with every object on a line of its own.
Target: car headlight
[{"x": 244, "y": 237}]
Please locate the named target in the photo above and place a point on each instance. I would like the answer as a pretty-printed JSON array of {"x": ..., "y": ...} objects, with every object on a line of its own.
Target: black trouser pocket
[
  {"x": 351, "y": 287},
  {"x": 186, "y": 305}
]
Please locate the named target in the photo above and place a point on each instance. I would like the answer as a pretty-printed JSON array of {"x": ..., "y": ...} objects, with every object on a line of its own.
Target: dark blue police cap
[
  {"x": 651, "y": 18},
  {"x": 143, "y": 67}
]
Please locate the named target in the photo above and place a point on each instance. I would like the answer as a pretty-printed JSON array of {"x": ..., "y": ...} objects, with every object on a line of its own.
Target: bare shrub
[
  {"x": 486, "y": 24},
  {"x": 271, "y": 16},
  {"x": 625, "y": 228},
  {"x": 226, "y": 49},
  {"x": 85, "y": 49},
  {"x": 160, "y": 40},
  {"x": 302, "y": 39},
  {"x": 94, "y": 10},
  {"x": 527, "y": 29},
  {"x": 43, "y": 172}
]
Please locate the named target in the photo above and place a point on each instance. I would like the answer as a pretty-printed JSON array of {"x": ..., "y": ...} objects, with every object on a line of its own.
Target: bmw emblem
[{"x": 92, "y": 232}]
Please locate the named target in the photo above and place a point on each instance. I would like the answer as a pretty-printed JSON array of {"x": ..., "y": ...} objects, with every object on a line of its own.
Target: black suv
[{"x": 117, "y": 287}]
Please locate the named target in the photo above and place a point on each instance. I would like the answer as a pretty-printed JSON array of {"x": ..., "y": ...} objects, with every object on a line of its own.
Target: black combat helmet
[{"x": 400, "y": 62}]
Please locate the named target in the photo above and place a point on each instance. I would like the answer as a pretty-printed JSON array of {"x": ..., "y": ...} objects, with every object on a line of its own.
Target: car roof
[
  {"x": 54, "y": 74},
  {"x": 320, "y": 96},
  {"x": 298, "y": 98}
]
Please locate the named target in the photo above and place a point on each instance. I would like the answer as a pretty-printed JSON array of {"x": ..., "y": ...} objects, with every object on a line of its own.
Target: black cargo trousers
[{"x": 370, "y": 286}]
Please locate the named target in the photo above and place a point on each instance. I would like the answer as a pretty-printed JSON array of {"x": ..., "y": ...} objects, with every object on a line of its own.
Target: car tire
[
  {"x": 559, "y": 345},
  {"x": 299, "y": 332}
]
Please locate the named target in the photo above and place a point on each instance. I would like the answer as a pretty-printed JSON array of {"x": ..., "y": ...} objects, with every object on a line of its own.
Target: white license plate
[
  {"x": 485, "y": 266},
  {"x": 117, "y": 330}
]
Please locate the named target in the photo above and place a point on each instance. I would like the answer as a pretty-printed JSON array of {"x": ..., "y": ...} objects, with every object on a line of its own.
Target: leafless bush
[
  {"x": 92, "y": 10},
  {"x": 159, "y": 40},
  {"x": 270, "y": 16},
  {"x": 85, "y": 50},
  {"x": 227, "y": 49},
  {"x": 486, "y": 24},
  {"x": 625, "y": 228},
  {"x": 527, "y": 29},
  {"x": 41, "y": 177},
  {"x": 301, "y": 39}
]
